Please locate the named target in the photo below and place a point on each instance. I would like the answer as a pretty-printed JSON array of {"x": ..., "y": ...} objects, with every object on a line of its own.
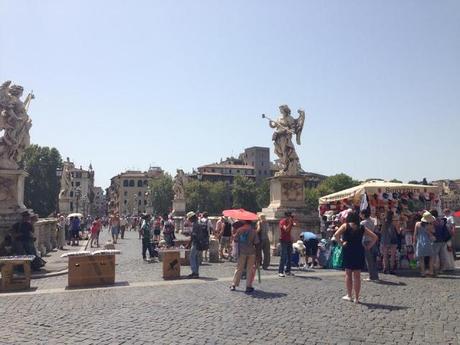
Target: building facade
[
  {"x": 450, "y": 193},
  {"x": 129, "y": 191},
  {"x": 81, "y": 194},
  {"x": 224, "y": 171},
  {"x": 99, "y": 203},
  {"x": 259, "y": 158}
]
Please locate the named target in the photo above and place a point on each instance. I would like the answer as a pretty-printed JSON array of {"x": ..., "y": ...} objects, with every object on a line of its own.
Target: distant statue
[
  {"x": 65, "y": 181},
  {"x": 15, "y": 124},
  {"x": 285, "y": 127},
  {"x": 179, "y": 185}
]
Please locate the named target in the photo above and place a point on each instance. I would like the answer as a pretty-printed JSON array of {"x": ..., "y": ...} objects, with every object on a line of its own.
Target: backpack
[
  {"x": 442, "y": 233},
  {"x": 202, "y": 236}
]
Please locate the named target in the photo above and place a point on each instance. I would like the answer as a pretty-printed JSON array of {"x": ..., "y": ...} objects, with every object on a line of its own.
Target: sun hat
[
  {"x": 427, "y": 217},
  {"x": 190, "y": 214}
]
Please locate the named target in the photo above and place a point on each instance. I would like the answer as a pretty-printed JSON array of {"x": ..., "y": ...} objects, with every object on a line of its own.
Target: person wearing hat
[
  {"x": 264, "y": 247},
  {"x": 196, "y": 236},
  {"x": 423, "y": 235}
]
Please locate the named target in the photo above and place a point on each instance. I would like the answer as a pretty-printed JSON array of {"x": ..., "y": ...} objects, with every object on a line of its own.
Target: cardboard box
[
  {"x": 91, "y": 270},
  {"x": 171, "y": 264}
]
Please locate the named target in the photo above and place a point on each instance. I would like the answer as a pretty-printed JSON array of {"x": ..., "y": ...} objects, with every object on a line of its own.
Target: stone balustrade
[{"x": 45, "y": 233}]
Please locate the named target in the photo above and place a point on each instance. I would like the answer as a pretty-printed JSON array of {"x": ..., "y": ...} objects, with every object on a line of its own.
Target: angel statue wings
[
  {"x": 15, "y": 124},
  {"x": 285, "y": 127}
]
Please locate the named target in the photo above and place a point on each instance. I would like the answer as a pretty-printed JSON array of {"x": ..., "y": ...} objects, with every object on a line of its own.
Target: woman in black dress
[{"x": 350, "y": 236}]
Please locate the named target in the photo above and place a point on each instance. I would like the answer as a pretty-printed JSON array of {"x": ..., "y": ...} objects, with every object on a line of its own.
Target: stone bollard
[{"x": 213, "y": 249}]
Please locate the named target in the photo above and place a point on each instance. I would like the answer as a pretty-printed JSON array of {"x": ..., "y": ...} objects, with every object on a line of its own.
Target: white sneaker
[
  {"x": 282, "y": 275},
  {"x": 347, "y": 298}
]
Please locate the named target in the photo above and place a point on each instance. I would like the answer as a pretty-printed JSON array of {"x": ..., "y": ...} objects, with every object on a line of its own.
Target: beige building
[
  {"x": 450, "y": 195},
  {"x": 99, "y": 203},
  {"x": 81, "y": 193},
  {"x": 129, "y": 191}
]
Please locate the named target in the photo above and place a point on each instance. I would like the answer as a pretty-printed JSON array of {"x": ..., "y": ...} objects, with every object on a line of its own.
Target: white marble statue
[
  {"x": 285, "y": 127},
  {"x": 65, "y": 181},
  {"x": 179, "y": 185},
  {"x": 15, "y": 124}
]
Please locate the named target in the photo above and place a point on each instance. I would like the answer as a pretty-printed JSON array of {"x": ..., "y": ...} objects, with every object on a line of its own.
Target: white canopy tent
[{"x": 376, "y": 187}]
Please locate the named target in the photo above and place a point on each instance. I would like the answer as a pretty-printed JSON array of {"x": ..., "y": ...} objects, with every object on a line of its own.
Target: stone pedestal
[
  {"x": 11, "y": 199},
  {"x": 287, "y": 194},
  {"x": 64, "y": 205},
  {"x": 179, "y": 207}
]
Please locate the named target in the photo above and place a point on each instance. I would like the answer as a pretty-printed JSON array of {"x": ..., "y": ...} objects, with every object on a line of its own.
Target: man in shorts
[{"x": 310, "y": 241}]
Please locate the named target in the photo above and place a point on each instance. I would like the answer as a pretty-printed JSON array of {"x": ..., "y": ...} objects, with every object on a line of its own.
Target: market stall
[{"x": 405, "y": 201}]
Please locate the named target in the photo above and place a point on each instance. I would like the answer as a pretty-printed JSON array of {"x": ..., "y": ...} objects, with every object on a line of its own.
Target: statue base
[
  {"x": 11, "y": 200},
  {"x": 64, "y": 206},
  {"x": 287, "y": 194},
  {"x": 178, "y": 207}
]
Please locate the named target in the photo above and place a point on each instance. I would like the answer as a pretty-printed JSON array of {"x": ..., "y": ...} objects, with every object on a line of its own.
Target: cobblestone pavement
[{"x": 305, "y": 309}]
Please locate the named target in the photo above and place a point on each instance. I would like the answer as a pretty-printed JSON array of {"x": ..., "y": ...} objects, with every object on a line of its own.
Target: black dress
[{"x": 353, "y": 250}]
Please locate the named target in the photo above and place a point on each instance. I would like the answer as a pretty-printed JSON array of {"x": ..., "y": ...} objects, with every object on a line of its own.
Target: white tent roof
[{"x": 373, "y": 187}]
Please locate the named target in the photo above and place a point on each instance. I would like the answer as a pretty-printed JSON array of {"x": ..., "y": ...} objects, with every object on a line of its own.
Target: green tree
[
  {"x": 263, "y": 194},
  {"x": 396, "y": 181},
  {"x": 330, "y": 185},
  {"x": 161, "y": 193},
  {"x": 42, "y": 186},
  {"x": 244, "y": 194},
  {"x": 212, "y": 197}
]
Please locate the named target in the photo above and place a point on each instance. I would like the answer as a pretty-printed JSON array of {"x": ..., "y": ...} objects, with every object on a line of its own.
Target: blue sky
[{"x": 179, "y": 84}]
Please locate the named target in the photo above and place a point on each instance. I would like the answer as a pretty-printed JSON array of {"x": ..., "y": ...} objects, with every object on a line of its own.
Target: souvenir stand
[{"x": 406, "y": 201}]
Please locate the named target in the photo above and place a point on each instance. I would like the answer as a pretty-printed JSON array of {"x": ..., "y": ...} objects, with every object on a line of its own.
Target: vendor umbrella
[
  {"x": 79, "y": 215},
  {"x": 457, "y": 214},
  {"x": 240, "y": 214}
]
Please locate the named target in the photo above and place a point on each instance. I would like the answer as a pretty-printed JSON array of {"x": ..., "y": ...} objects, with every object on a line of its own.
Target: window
[
  {"x": 230, "y": 171},
  {"x": 139, "y": 194},
  {"x": 78, "y": 175},
  {"x": 213, "y": 170},
  {"x": 260, "y": 172},
  {"x": 125, "y": 193},
  {"x": 237, "y": 171},
  {"x": 139, "y": 202},
  {"x": 139, "y": 183},
  {"x": 71, "y": 194},
  {"x": 77, "y": 184},
  {"x": 125, "y": 202},
  {"x": 265, "y": 172},
  {"x": 71, "y": 206},
  {"x": 262, "y": 163},
  {"x": 125, "y": 183},
  {"x": 131, "y": 183},
  {"x": 146, "y": 183},
  {"x": 72, "y": 184},
  {"x": 145, "y": 202}
]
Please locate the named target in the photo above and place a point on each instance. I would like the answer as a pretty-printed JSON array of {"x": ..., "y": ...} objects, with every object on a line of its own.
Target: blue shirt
[{"x": 307, "y": 235}]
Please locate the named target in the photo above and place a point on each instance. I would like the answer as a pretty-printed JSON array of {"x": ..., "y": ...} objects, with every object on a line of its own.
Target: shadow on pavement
[
  {"x": 387, "y": 282},
  {"x": 259, "y": 294},
  {"x": 307, "y": 277},
  {"x": 375, "y": 306},
  {"x": 123, "y": 283}
]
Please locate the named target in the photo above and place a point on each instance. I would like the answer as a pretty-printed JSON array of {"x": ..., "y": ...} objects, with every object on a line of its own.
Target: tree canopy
[
  {"x": 161, "y": 194},
  {"x": 330, "y": 185},
  {"x": 42, "y": 185},
  {"x": 244, "y": 194}
]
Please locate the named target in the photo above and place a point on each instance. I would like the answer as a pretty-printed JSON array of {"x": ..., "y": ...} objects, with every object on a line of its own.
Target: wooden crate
[
  {"x": 91, "y": 270},
  {"x": 171, "y": 264},
  {"x": 12, "y": 282}
]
